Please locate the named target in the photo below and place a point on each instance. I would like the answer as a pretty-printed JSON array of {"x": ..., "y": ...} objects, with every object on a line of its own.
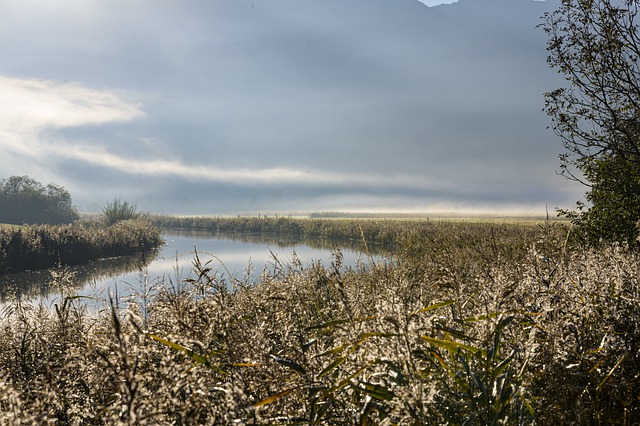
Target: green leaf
[
  {"x": 197, "y": 358},
  {"x": 245, "y": 364},
  {"x": 502, "y": 324},
  {"x": 480, "y": 385},
  {"x": 482, "y": 317},
  {"x": 328, "y": 324},
  {"x": 498, "y": 332},
  {"x": 338, "y": 361},
  {"x": 451, "y": 346},
  {"x": 318, "y": 413},
  {"x": 347, "y": 381},
  {"x": 500, "y": 367},
  {"x": 333, "y": 323},
  {"x": 333, "y": 351},
  {"x": 437, "y": 306},
  {"x": 457, "y": 333},
  {"x": 378, "y": 392}
]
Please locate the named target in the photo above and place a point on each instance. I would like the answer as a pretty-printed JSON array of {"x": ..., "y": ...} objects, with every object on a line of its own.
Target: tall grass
[
  {"x": 45, "y": 246},
  {"x": 385, "y": 234},
  {"x": 465, "y": 325}
]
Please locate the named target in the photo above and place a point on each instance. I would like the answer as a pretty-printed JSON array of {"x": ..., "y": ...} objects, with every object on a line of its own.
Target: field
[{"x": 464, "y": 323}]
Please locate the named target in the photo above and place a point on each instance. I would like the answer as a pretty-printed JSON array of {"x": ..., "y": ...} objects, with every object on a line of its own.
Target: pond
[{"x": 242, "y": 257}]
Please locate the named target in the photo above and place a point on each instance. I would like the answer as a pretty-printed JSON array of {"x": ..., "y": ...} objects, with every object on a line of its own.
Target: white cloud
[
  {"x": 266, "y": 176},
  {"x": 30, "y": 107},
  {"x": 33, "y": 105}
]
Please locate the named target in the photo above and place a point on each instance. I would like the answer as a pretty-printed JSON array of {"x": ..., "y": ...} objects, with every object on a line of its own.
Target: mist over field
[{"x": 213, "y": 107}]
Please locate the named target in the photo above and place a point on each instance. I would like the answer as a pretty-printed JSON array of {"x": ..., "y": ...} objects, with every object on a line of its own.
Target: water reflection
[
  {"x": 35, "y": 284},
  {"x": 281, "y": 241},
  {"x": 238, "y": 255}
]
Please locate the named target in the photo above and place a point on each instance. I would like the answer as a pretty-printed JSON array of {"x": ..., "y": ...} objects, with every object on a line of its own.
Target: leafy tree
[
  {"x": 24, "y": 200},
  {"x": 118, "y": 210},
  {"x": 595, "y": 44}
]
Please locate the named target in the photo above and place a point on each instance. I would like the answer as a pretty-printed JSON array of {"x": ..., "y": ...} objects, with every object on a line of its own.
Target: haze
[{"x": 236, "y": 106}]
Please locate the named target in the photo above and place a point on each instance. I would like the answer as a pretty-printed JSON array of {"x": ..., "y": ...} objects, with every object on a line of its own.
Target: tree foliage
[
  {"x": 24, "y": 200},
  {"x": 596, "y": 46}
]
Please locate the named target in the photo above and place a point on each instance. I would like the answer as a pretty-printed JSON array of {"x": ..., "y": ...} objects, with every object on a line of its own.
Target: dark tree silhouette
[{"x": 24, "y": 200}]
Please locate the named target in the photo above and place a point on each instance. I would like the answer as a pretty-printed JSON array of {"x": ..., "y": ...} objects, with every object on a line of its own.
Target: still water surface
[{"x": 232, "y": 256}]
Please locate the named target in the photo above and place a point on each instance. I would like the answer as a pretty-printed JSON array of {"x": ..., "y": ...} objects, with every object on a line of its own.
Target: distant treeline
[
  {"x": 26, "y": 201},
  {"x": 45, "y": 246}
]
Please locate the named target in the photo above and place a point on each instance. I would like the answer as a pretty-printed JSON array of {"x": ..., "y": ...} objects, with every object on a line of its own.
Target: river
[{"x": 241, "y": 257}]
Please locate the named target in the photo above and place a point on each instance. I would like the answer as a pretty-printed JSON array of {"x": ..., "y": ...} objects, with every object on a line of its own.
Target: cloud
[
  {"x": 163, "y": 168},
  {"x": 32, "y": 107},
  {"x": 292, "y": 103}
]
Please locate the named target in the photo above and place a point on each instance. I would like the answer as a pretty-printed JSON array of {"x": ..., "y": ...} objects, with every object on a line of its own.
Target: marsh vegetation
[
  {"x": 237, "y": 256},
  {"x": 45, "y": 246},
  {"x": 464, "y": 324}
]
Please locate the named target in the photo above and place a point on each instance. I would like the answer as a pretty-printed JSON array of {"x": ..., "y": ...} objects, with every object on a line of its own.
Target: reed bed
[
  {"x": 466, "y": 324},
  {"x": 386, "y": 234},
  {"x": 46, "y": 246}
]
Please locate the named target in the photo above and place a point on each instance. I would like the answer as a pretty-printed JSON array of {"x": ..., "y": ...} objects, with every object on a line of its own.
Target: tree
[
  {"x": 24, "y": 200},
  {"x": 595, "y": 44}
]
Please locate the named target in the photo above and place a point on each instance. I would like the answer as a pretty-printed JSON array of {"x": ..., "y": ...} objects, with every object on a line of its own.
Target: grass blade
[
  {"x": 273, "y": 398},
  {"x": 194, "y": 356},
  {"x": 436, "y": 306},
  {"x": 289, "y": 364},
  {"x": 331, "y": 366}
]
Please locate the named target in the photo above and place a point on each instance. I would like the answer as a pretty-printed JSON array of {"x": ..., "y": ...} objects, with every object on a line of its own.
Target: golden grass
[
  {"x": 467, "y": 323},
  {"x": 44, "y": 246},
  {"x": 9, "y": 226}
]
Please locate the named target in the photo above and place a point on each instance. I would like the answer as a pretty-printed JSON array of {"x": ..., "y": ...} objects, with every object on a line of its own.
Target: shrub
[{"x": 118, "y": 210}]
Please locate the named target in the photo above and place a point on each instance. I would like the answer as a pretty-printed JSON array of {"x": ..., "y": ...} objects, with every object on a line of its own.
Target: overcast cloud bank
[{"x": 228, "y": 106}]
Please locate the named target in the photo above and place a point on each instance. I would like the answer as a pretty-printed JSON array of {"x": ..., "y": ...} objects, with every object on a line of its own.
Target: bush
[{"x": 118, "y": 210}]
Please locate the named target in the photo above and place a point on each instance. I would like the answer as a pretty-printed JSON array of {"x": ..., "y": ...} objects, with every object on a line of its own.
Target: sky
[
  {"x": 436, "y": 2},
  {"x": 240, "y": 106}
]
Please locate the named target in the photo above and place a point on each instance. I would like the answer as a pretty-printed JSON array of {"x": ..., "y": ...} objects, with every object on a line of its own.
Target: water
[{"x": 242, "y": 257}]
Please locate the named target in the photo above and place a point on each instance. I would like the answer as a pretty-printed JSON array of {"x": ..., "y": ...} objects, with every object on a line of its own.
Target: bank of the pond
[{"x": 44, "y": 246}]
